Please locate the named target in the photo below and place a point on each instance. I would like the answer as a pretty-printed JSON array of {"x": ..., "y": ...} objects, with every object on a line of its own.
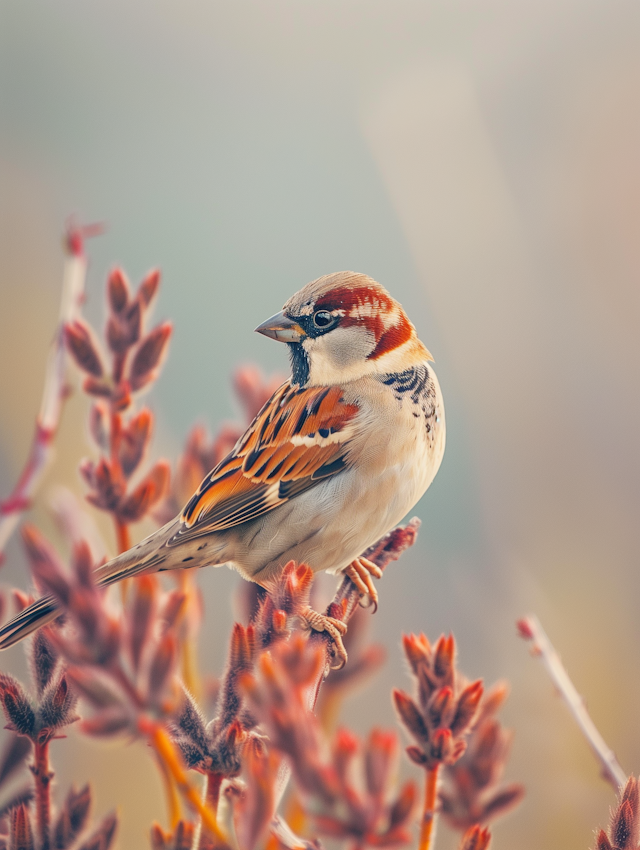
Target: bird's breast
[{"x": 399, "y": 444}]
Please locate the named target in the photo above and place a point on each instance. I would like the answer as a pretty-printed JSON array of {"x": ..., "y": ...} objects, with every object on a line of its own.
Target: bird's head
[{"x": 344, "y": 326}]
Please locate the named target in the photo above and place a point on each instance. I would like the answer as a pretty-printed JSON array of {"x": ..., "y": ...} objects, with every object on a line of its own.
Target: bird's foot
[
  {"x": 362, "y": 571},
  {"x": 334, "y": 628}
]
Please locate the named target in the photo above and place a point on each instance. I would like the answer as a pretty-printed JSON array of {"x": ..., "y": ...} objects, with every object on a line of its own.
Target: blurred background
[{"x": 482, "y": 162}]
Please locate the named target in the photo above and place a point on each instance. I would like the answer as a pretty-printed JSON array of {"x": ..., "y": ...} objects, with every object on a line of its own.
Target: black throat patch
[{"x": 299, "y": 364}]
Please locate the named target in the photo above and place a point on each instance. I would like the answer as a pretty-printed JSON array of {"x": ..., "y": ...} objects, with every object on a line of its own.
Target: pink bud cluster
[
  {"x": 134, "y": 360},
  {"x": 445, "y": 708}
]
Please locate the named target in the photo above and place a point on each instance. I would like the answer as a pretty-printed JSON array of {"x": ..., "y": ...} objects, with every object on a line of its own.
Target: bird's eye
[{"x": 322, "y": 318}]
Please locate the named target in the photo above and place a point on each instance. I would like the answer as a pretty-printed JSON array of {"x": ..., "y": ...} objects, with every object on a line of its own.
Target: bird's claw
[
  {"x": 361, "y": 571},
  {"x": 333, "y": 627}
]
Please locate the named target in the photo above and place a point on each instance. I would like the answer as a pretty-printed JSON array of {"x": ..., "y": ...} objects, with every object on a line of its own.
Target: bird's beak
[{"x": 281, "y": 328}]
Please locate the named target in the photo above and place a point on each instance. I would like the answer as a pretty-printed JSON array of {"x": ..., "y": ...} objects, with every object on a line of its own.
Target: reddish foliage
[
  {"x": 446, "y": 706},
  {"x": 136, "y": 358}
]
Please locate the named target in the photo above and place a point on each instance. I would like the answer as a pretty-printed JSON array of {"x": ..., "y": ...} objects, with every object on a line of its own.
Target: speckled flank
[{"x": 416, "y": 384}]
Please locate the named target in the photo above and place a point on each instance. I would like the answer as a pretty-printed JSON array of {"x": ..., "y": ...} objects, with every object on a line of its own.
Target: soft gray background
[{"x": 481, "y": 161}]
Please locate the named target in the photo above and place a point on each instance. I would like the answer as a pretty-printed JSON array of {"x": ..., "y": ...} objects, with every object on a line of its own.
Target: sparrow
[{"x": 336, "y": 458}]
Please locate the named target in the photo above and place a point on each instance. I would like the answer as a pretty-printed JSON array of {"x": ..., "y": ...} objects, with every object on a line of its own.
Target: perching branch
[
  {"x": 344, "y": 604},
  {"x": 55, "y": 387},
  {"x": 347, "y": 598},
  {"x": 531, "y": 630}
]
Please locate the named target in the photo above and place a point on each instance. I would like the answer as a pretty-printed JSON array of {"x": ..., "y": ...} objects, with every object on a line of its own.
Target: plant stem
[
  {"x": 42, "y": 775},
  {"x": 428, "y": 827},
  {"x": 214, "y": 781},
  {"x": 171, "y": 793},
  {"x": 53, "y": 396},
  {"x": 531, "y": 629},
  {"x": 387, "y": 549},
  {"x": 161, "y": 743},
  {"x": 123, "y": 538},
  {"x": 211, "y": 798}
]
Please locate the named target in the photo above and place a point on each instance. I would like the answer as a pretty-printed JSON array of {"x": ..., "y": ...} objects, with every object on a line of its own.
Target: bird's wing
[{"x": 299, "y": 438}]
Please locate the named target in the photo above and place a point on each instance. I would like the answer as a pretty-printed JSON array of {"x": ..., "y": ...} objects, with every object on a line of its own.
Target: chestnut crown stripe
[
  {"x": 372, "y": 307},
  {"x": 357, "y": 300}
]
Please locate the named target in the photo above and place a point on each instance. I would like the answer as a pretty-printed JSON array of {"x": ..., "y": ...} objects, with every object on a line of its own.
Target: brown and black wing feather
[{"x": 299, "y": 438}]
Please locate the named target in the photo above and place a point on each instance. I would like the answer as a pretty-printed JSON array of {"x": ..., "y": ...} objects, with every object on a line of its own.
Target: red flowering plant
[
  {"x": 276, "y": 771},
  {"x": 368, "y": 812}
]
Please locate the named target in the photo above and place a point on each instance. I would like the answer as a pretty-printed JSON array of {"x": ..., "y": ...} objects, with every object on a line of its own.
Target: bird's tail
[
  {"x": 147, "y": 556},
  {"x": 31, "y": 618}
]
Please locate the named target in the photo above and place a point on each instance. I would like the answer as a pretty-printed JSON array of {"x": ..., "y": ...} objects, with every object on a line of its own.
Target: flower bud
[
  {"x": 83, "y": 348},
  {"x": 148, "y": 358},
  {"x": 118, "y": 290}
]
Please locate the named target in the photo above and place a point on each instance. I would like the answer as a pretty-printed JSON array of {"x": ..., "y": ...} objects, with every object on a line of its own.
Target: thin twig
[
  {"x": 123, "y": 536},
  {"x": 428, "y": 825},
  {"x": 530, "y": 629},
  {"x": 55, "y": 389},
  {"x": 42, "y": 776}
]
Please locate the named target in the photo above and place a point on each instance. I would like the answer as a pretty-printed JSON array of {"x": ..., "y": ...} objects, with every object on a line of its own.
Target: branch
[
  {"x": 55, "y": 388},
  {"x": 347, "y": 598},
  {"x": 344, "y": 604},
  {"x": 530, "y": 629}
]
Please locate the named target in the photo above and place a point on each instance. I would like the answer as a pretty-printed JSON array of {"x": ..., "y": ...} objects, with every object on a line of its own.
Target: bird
[{"x": 336, "y": 457}]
